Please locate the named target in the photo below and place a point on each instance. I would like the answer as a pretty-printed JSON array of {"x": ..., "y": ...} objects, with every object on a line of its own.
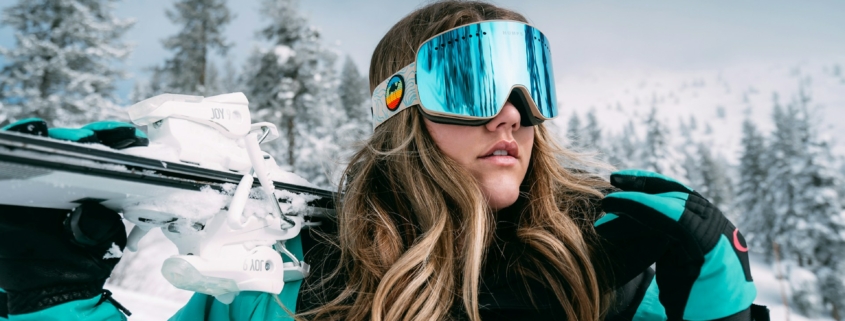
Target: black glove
[
  {"x": 50, "y": 256},
  {"x": 703, "y": 271}
]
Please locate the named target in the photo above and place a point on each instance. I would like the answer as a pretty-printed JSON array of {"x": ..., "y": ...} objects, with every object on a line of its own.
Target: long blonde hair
[{"x": 413, "y": 225}]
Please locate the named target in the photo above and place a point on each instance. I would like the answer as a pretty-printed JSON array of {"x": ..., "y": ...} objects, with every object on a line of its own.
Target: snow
[
  {"x": 770, "y": 289},
  {"x": 282, "y": 176},
  {"x": 297, "y": 202},
  {"x": 190, "y": 205},
  {"x": 113, "y": 252},
  {"x": 720, "y": 98},
  {"x": 154, "y": 150},
  {"x": 283, "y": 53},
  {"x": 144, "y": 306},
  {"x": 140, "y": 273}
]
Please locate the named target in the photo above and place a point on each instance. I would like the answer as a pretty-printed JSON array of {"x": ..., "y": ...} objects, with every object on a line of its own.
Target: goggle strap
[{"x": 409, "y": 95}]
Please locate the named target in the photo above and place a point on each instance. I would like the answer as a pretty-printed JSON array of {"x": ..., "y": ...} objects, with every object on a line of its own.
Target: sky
[{"x": 585, "y": 35}]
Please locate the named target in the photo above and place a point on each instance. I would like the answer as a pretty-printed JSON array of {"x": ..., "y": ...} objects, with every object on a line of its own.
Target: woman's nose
[{"x": 508, "y": 117}]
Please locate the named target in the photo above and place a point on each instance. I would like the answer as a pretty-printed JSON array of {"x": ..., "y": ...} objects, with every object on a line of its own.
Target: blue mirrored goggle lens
[{"x": 471, "y": 70}]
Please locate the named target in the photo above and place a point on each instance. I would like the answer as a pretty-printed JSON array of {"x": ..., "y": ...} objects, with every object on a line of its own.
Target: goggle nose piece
[{"x": 518, "y": 99}]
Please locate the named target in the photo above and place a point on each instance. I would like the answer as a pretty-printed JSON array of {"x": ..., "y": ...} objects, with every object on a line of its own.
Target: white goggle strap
[{"x": 402, "y": 94}]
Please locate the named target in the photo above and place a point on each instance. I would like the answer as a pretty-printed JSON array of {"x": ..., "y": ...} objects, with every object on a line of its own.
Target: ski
[
  {"x": 42, "y": 172},
  {"x": 203, "y": 180}
]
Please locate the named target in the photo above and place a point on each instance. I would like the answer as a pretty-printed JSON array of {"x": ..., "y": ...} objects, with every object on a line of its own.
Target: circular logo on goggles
[{"x": 394, "y": 92}]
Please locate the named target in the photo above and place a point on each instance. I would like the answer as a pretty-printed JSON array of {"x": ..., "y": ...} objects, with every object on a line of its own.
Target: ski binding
[{"x": 240, "y": 247}]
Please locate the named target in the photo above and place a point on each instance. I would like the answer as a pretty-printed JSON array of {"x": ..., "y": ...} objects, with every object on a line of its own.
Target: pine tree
[
  {"x": 657, "y": 153},
  {"x": 573, "y": 132},
  {"x": 294, "y": 85},
  {"x": 783, "y": 160},
  {"x": 213, "y": 80},
  {"x": 684, "y": 129},
  {"x": 591, "y": 135},
  {"x": 832, "y": 287},
  {"x": 802, "y": 190},
  {"x": 824, "y": 227},
  {"x": 624, "y": 148},
  {"x": 715, "y": 184},
  {"x": 63, "y": 66},
  {"x": 187, "y": 72},
  {"x": 230, "y": 81},
  {"x": 755, "y": 214},
  {"x": 354, "y": 94}
]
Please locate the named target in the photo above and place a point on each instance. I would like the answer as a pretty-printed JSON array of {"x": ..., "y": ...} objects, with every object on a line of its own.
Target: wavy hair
[{"x": 414, "y": 227}]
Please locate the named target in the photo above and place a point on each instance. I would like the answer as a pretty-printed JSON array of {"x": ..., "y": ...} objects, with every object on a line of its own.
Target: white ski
[{"x": 196, "y": 181}]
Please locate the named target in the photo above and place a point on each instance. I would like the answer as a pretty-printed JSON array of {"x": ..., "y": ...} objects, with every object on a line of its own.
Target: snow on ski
[{"x": 44, "y": 172}]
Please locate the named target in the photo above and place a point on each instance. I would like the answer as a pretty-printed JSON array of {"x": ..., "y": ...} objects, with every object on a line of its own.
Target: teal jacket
[
  {"x": 252, "y": 306},
  {"x": 249, "y": 306}
]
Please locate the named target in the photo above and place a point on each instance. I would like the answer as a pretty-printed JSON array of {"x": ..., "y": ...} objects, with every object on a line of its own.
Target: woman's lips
[
  {"x": 500, "y": 160},
  {"x": 510, "y": 147}
]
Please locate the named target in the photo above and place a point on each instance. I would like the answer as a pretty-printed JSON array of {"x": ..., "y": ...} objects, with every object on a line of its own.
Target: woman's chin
[{"x": 499, "y": 197}]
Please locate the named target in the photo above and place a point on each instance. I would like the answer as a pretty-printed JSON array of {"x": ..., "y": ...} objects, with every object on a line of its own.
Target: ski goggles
[{"x": 466, "y": 75}]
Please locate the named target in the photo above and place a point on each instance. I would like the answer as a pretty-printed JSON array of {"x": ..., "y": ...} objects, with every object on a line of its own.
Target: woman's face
[{"x": 497, "y": 153}]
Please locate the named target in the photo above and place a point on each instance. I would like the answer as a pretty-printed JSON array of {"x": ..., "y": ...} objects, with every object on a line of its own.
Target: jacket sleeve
[
  {"x": 93, "y": 309},
  {"x": 638, "y": 300},
  {"x": 4, "y": 310},
  {"x": 247, "y": 306}
]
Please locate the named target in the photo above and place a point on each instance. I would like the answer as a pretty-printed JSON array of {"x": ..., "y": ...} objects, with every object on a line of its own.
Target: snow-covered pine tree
[
  {"x": 706, "y": 172},
  {"x": 354, "y": 92},
  {"x": 657, "y": 153},
  {"x": 63, "y": 66},
  {"x": 213, "y": 80},
  {"x": 146, "y": 89},
  {"x": 684, "y": 128},
  {"x": 832, "y": 287},
  {"x": 262, "y": 73},
  {"x": 294, "y": 85},
  {"x": 186, "y": 72},
  {"x": 689, "y": 149},
  {"x": 573, "y": 132},
  {"x": 591, "y": 136},
  {"x": 715, "y": 184},
  {"x": 803, "y": 193},
  {"x": 825, "y": 202},
  {"x": 624, "y": 148},
  {"x": 230, "y": 80},
  {"x": 784, "y": 161},
  {"x": 822, "y": 207},
  {"x": 756, "y": 218},
  {"x": 354, "y": 95}
]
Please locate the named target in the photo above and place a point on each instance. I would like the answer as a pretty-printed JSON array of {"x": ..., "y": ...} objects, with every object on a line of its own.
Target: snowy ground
[
  {"x": 769, "y": 291},
  {"x": 146, "y": 306}
]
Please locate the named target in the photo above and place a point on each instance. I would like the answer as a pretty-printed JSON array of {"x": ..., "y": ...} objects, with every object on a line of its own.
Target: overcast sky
[{"x": 585, "y": 35}]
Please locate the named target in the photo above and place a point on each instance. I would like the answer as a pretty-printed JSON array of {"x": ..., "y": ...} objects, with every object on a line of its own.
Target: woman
[
  {"x": 423, "y": 199},
  {"x": 458, "y": 206}
]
